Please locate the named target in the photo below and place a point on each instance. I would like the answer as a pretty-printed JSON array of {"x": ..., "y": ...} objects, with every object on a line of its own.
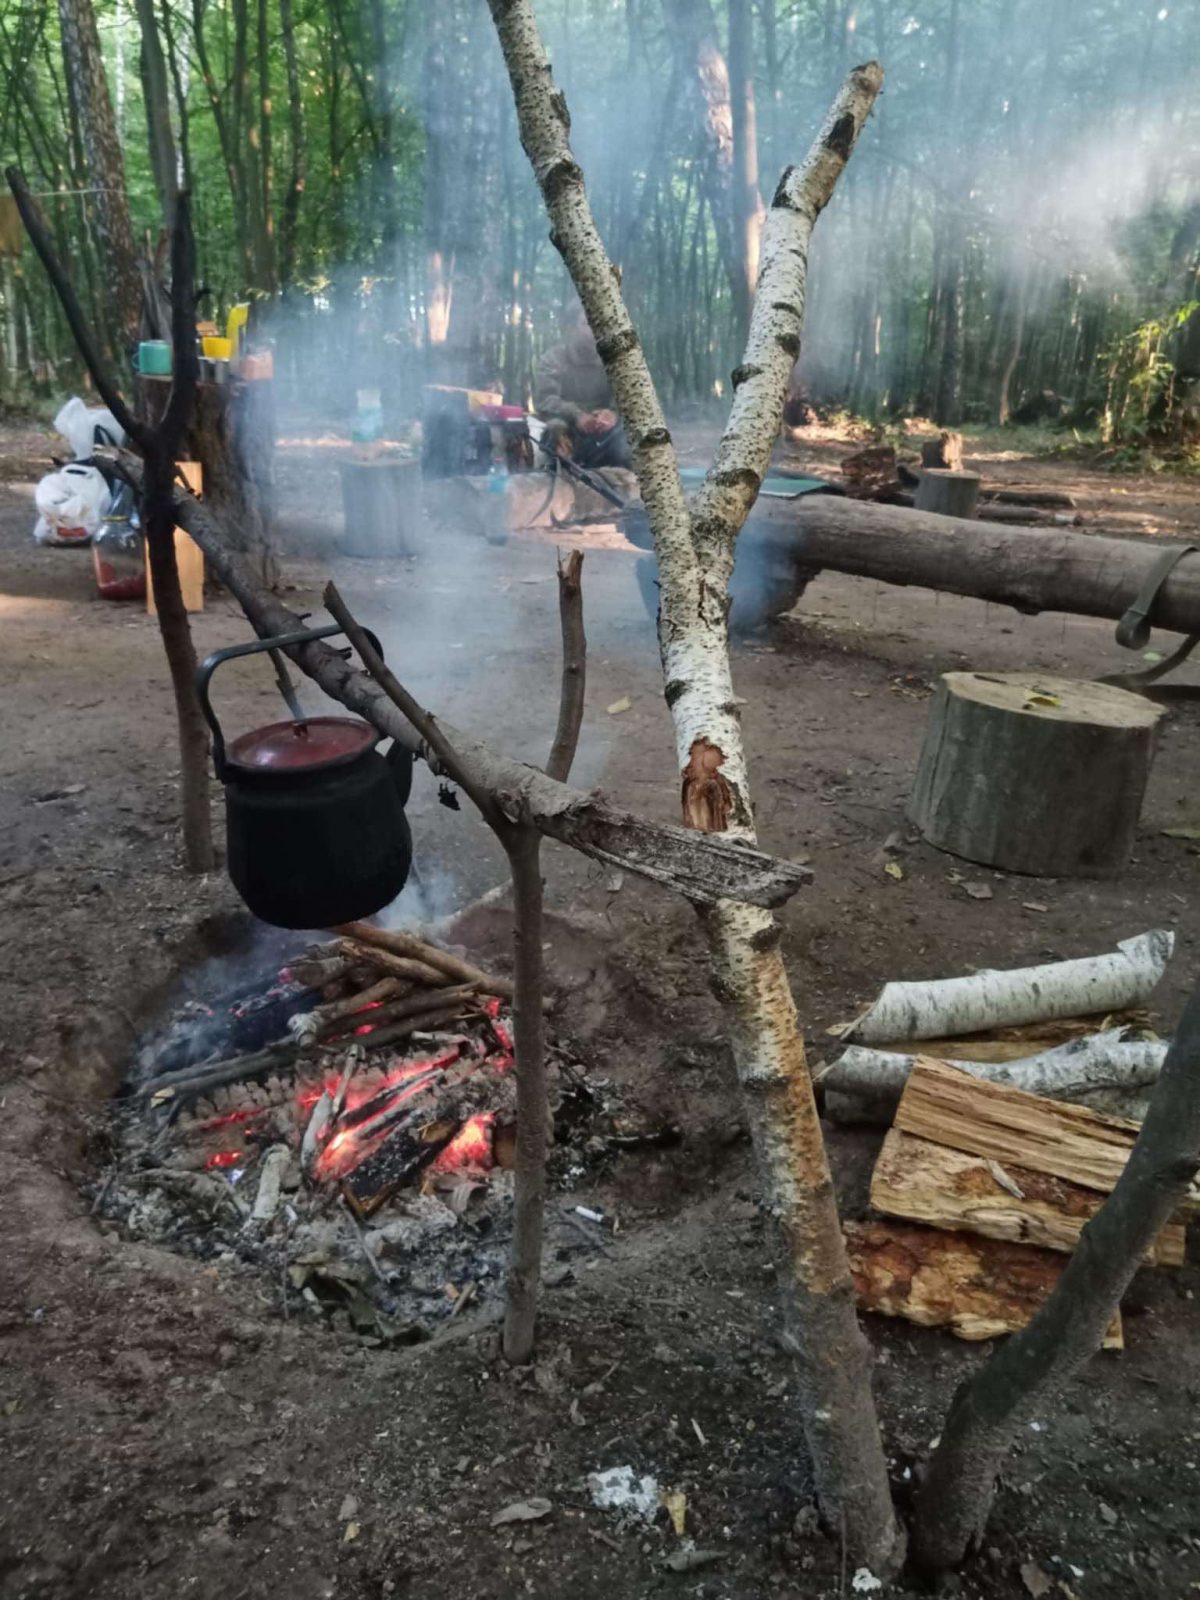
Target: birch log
[
  {"x": 1086, "y": 1071},
  {"x": 1122, "y": 978},
  {"x": 695, "y": 552}
]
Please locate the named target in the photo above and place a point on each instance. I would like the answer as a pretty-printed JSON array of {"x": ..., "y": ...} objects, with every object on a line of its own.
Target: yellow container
[
  {"x": 214, "y": 348},
  {"x": 238, "y": 319}
]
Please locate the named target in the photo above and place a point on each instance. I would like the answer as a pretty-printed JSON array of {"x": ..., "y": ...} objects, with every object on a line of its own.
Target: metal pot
[{"x": 315, "y": 828}]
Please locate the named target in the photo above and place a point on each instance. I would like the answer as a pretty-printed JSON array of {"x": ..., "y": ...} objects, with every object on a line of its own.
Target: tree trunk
[
  {"x": 523, "y": 848},
  {"x": 1030, "y": 1370},
  {"x": 746, "y": 201},
  {"x": 1032, "y": 570},
  {"x": 84, "y": 64},
  {"x": 295, "y": 191},
  {"x": 158, "y": 110},
  {"x": 694, "y": 549}
]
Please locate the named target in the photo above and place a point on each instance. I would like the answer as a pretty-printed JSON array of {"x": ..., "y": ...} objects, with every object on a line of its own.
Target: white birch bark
[
  {"x": 694, "y": 548},
  {"x": 947, "y": 1007},
  {"x": 1088, "y": 1071}
]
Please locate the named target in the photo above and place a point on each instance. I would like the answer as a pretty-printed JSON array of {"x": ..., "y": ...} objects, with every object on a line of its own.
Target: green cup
[{"x": 154, "y": 358}]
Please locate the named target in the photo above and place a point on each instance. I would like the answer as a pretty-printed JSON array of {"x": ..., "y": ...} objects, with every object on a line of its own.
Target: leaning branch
[
  {"x": 1036, "y": 1363},
  {"x": 702, "y": 868}
]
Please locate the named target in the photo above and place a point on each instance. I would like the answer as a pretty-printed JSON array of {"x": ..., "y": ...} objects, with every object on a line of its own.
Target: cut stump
[
  {"x": 382, "y": 502},
  {"x": 950, "y": 494},
  {"x": 1034, "y": 774}
]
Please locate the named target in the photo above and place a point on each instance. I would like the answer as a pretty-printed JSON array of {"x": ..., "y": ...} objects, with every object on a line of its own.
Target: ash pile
[{"x": 345, "y": 1127}]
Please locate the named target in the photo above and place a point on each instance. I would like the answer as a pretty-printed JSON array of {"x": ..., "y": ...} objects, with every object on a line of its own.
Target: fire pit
[{"x": 343, "y": 1125}]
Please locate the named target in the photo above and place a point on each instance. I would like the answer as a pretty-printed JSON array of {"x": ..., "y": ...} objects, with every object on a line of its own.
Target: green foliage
[{"x": 1146, "y": 398}]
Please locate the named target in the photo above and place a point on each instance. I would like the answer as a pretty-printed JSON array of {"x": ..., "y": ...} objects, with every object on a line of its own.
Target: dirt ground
[{"x": 167, "y": 1431}]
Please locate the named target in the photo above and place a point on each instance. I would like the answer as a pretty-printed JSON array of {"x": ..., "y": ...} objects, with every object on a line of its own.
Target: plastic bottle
[{"x": 497, "y": 516}]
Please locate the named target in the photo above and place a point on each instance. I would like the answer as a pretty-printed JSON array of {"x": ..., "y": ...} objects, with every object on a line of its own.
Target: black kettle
[{"x": 315, "y": 828}]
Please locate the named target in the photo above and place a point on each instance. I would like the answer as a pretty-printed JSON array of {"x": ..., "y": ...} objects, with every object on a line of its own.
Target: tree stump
[
  {"x": 952, "y": 494},
  {"x": 1034, "y": 774},
  {"x": 382, "y": 502},
  {"x": 944, "y": 451}
]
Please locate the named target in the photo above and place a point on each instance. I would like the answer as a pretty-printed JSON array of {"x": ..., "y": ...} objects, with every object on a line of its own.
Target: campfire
[{"x": 346, "y": 1122}]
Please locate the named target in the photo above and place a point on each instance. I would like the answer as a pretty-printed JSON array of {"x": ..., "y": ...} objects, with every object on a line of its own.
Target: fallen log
[
  {"x": 1032, "y": 570},
  {"x": 950, "y": 1189},
  {"x": 1075, "y": 1071},
  {"x": 705, "y": 868},
  {"x": 1105, "y": 983},
  {"x": 1008, "y": 1125},
  {"x": 1050, "y": 499},
  {"x": 976, "y": 1287},
  {"x": 1028, "y": 516}
]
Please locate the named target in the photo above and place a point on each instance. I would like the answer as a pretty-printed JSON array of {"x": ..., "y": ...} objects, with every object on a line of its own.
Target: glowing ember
[
  {"x": 470, "y": 1147},
  {"x": 224, "y": 1158}
]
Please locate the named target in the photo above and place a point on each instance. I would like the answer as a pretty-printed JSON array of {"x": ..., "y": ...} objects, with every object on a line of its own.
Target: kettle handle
[{"x": 281, "y": 641}]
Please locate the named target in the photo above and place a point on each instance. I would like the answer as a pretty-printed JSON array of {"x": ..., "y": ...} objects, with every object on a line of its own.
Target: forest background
[{"x": 1019, "y": 234}]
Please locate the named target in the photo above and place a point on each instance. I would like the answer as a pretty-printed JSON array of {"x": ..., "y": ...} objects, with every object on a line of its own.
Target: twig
[
  {"x": 408, "y": 946},
  {"x": 403, "y": 967},
  {"x": 423, "y": 721},
  {"x": 361, "y": 1236},
  {"x": 574, "y": 667},
  {"x": 39, "y": 235}
]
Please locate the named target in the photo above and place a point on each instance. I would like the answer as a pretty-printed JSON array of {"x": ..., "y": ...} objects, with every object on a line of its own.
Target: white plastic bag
[
  {"x": 78, "y": 425},
  {"x": 73, "y": 502}
]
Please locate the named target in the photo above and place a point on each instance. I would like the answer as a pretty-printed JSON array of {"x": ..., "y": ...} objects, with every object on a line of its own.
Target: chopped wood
[
  {"x": 406, "y": 945},
  {"x": 870, "y": 471},
  {"x": 419, "y": 1023},
  {"x": 926, "y": 1182},
  {"x": 976, "y": 1287},
  {"x": 416, "y": 1005},
  {"x": 950, "y": 1107}
]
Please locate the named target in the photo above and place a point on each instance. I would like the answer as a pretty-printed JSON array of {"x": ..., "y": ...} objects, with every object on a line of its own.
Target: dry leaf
[
  {"x": 348, "y": 1509},
  {"x": 676, "y": 1504},
  {"x": 1040, "y": 699},
  {"x": 523, "y": 1511},
  {"x": 623, "y": 704},
  {"x": 351, "y": 1533},
  {"x": 894, "y": 870},
  {"x": 979, "y": 891},
  {"x": 1035, "y": 1580}
]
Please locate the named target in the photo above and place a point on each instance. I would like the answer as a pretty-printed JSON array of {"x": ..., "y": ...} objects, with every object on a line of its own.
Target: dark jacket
[{"x": 568, "y": 381}]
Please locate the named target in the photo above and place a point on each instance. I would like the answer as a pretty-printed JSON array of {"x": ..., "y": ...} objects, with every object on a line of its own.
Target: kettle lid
[{"x": 304, "y": 745}]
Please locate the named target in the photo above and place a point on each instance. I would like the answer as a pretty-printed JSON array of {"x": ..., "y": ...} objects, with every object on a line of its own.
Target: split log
[
  {"x": 1031, "y": 570},
  {"x": 952, "y": 494},
  {"x": 1077, "y": 1071},
  {"x": 950, "y": 1189},
  {"x": 1101, "y": 984},
  {"x": 1008, "y": 1125},
  {"x": 976, "y": 1287},
  {"x": 1040, "y": 775},
  {"x": 869, "y": 471}
]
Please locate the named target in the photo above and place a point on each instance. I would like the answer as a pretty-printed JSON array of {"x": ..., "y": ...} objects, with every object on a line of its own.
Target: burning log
[
  {"x": 173, "y": 1085},
  {"x": 415, "y": 1006},
  {"x": 310, "y": 1025}
]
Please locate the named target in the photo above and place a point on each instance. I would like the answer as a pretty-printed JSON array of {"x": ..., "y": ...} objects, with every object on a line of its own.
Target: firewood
[
  {"x": 308, "y": 1025},
  {"x": 870, "y": 470},
  {"x": 929, "y": 1183},
  {"x": 397, "y": 966},
  {"x": 945, "y": 1007},
  {"x": 421, "y": 1023},
  {"x": 415, "y": 1006},
  {"x": 976, "y": 1287},
  {"x": 407, "y": 946},
  {"x": 1008, "y": 1125}
]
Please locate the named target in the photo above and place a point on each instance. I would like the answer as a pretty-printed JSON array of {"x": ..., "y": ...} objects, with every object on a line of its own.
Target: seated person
[{"x": 572, "y": 397}]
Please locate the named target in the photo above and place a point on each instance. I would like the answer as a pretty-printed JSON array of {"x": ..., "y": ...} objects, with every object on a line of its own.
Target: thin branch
[
  {"x": 39, "y": 234},
  {"x": 574, "y": 668},
  {"x": 421, "y": 720}
]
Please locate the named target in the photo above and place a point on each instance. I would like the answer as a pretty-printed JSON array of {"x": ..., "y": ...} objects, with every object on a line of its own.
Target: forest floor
[{"x": 165, "y": 1431}]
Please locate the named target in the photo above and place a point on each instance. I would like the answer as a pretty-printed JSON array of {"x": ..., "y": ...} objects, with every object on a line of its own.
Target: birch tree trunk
[{"x": 695, "y": 550}]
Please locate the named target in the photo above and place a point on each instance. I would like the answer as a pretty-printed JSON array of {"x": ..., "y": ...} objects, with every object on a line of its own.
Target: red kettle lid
[{"x": 303, "y": 745}]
